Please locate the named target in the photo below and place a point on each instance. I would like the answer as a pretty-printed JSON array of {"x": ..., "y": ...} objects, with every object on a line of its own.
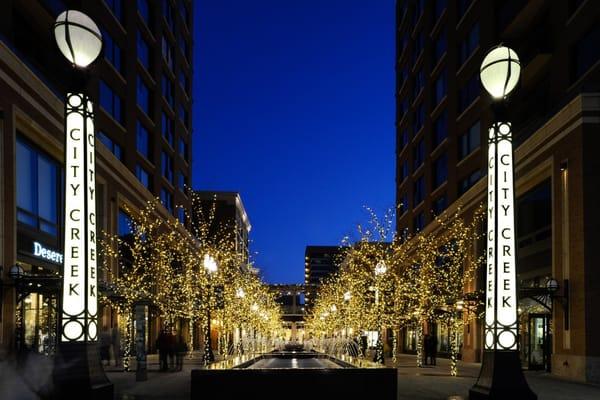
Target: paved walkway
[{"x": 428, "y": 383}]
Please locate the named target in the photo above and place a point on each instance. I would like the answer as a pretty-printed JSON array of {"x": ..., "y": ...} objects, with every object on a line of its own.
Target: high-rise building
[
  {"x": 141, "y": 90},
  {"x": 229, "y": 215},
  {"x": 443, "y": 115},
  {"x": 319, "y": 263}
]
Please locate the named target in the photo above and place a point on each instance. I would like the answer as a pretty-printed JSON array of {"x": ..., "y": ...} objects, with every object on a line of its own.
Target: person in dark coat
[
  {"x": 426, "y": 348},
  {"x": 181, "y": 349},
  {"x": 433, "y": 349},
  {"x": 171, "y": 339},
  {"x": 162, "y": 344}
]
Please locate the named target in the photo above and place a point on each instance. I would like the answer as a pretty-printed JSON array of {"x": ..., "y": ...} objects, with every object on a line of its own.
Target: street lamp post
[
  {"x": 211, "y": 267},
  {"x": 78, "y": 372},
  {"x": 380, "y": 270},
  {"x": 501, "y": 376}
]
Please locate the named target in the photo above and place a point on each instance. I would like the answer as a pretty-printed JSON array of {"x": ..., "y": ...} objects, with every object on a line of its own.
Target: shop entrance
[{"x": 539, "y": 343}]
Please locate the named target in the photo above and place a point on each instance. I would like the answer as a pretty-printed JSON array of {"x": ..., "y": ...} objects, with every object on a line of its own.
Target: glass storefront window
[
  {"x": 410, "y": 339},
  {"x": 39, "y": 323}
]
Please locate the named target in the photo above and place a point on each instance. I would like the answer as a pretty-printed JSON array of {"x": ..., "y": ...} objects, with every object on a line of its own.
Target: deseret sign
[
  {"x": 47, "y": 254},
  {"x": 80, "y": 300}
]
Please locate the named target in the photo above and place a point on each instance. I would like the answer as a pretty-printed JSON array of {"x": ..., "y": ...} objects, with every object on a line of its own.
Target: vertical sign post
[
  {"x": 501, "y": 376},
  {"x": 78, "y": 372},
  {"x": 79, "y": 317}
]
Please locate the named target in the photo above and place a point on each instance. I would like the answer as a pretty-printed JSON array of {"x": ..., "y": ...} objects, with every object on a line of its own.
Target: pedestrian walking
[
  {"x": 181, "y": 348},
  {"x": 171, "y": 339},
  {"x": 116, "y": 345},
  {"x": 104, "y": 343},
  {"x": 433, "y": 349},
  {"x": 162, "y": 344},
  {"x": 426, "y": 348}
]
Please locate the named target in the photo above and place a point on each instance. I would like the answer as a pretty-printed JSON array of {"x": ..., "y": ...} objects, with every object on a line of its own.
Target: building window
[
  {"x": 440, "y": 7},
  {"x": 469, "y": 141},
  {"x": 469, "y": 93},
  {"x": 462, "y": 6},
  {"x": 110, "y": 145},
  {"x": 420, "y": 222},
  {"x": 111, "y": 102},
  {"x": 143, "y": 51},
  {"x": 144, "y": 10},
  {"x": 418, "y": 154},
  {"x": 469, "y": 44},
  {"x": 419, "y": 83},
  {"x": 440, "y": 170},
  {"x": 166, "y": 165},
  {"x": 183, "y": 46},
  {"x": 167, "y": 90},
  {"x": 167, "y": 128},
  {"x": 183, "y": 149},
  {"x": 167, "y": 52},
  {"x": 184, "y": 81},
  {"x": 404, "y": 171},
  {"x": 419, "y": 119},
  {"x": 181, "y": 181},
  {"x": 439, "y": 205},
  {"x": 168, "y": 14},
  {"x": 403, "y": 108},
  {"x": 440, "y": 129},
  {"x": 419, "y": 8},
  {"x": 440, "y": 88},
  {"x": 183, "y": 115},
  {"x": 419, "y": 45},
  {"x": 403, "y": 205},
  {"x": 403, "y": 76},
  {"x": 419, "y": 190},
  {"x": 584, "y": 53},
  {"x": 112, "y": 51},
  {"x": 183, "y": 10},
  {"x": 143, "y": 96},
  {"x": 143, "y": 140},
  {"x": 181, "y": 215},
  {"x": 143, "y": 176},
  {"x": 404, "y": 138},
  {"x": 116, "y": 6},
  {"x": 440, "y": 46},
  {"x": 125, "y": 224},
  {"x": 38, "y": 188},
  {"x": 469, "y": 181},
  {"x": 166, "y": 199}
]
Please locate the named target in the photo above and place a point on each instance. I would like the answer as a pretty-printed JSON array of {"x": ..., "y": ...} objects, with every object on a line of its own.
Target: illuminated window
[{"x": 38, "y": 188}]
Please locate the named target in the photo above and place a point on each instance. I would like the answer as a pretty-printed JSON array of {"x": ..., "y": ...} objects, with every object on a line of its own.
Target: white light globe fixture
[
  {"x": 209, "y": 263},
  {"x": 500, "y": 71},
  {"x": 380, "y": 268},
  {"x": 78, "y": 38}
]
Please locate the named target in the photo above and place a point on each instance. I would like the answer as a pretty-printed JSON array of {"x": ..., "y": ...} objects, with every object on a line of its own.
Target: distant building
[
  {"x": 291, "y": 299},
  {"x": 319, "y": 263},
  {"x": 230, "y": 214}
]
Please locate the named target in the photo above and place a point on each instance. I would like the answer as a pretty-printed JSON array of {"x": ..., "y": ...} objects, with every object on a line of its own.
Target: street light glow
[
  {"x": 500, "y": 72},
  {"x": 78, "y": 38}
]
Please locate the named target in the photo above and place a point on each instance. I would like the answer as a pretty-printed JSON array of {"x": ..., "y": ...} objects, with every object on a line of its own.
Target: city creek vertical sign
[
  {"x": 80, "y": 289},
  {"x": 501, "y": 294}
]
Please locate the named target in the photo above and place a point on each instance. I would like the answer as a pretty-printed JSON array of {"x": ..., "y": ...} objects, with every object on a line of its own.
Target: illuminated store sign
[
  {"x": 47, "y": 254},
  {"x": 501, "y": 294},
  {"x": 80, "y": 301}
]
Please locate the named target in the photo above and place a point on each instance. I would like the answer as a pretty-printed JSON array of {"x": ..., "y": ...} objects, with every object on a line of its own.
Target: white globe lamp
[
  {"x": 500, "y": 71},
  {"x": 78, "y": 38}
]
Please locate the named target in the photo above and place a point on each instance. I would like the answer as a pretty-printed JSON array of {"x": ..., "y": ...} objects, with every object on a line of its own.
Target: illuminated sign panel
[
  {"x": 47, "y": 254},
  {"x": 501, "y": 295},
  {"x": 80, "y": 301}
]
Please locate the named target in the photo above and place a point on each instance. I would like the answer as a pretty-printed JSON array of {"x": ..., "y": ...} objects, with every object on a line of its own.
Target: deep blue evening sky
[{"x": 294, "y": 108}]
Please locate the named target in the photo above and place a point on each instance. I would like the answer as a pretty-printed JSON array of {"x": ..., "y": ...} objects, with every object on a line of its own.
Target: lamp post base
[
  {"x": 78, "y": 373},
  {"x": 501, "y": 377}
]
